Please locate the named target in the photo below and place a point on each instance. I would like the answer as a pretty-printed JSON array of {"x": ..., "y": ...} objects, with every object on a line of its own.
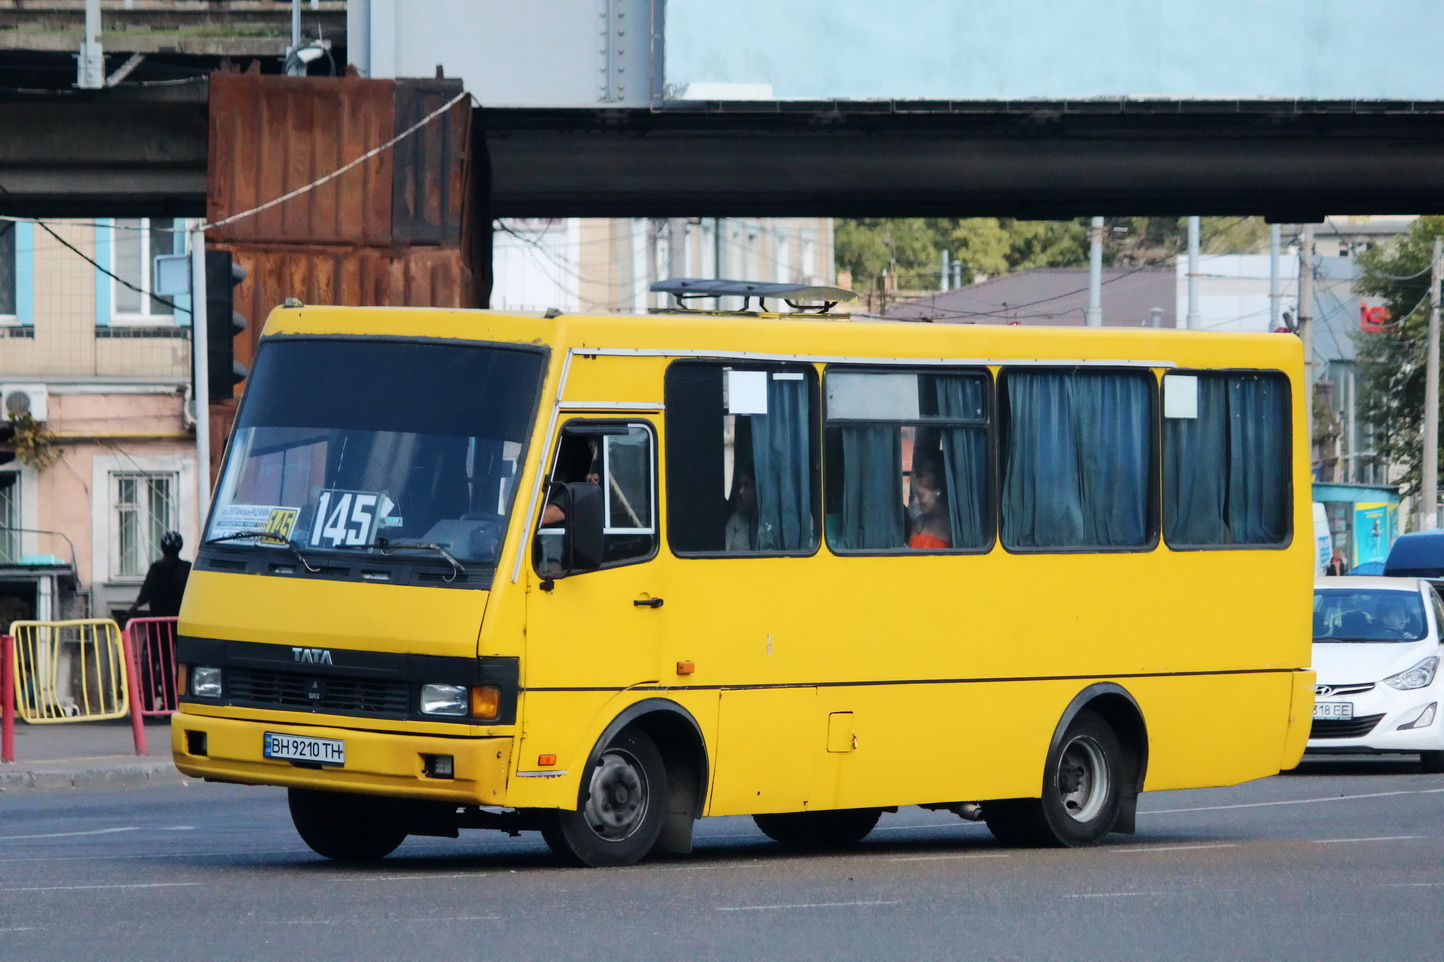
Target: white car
[{"x": 1376, "y": 651}]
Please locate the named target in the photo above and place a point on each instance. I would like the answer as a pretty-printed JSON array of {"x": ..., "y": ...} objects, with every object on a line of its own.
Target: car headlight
[
  {"x": 1419, "y": 676},
  {"x": 206, "y": 682}
]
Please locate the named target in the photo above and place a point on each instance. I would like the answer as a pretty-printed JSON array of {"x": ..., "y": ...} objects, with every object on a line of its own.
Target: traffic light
[{"x": 222, "y": 325}]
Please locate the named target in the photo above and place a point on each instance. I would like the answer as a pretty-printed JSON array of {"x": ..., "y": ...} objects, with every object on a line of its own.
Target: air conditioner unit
[{"x": 17, "y": 399}]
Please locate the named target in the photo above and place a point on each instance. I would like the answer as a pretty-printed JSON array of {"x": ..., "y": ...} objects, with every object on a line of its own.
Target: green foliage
[
  {"x": 33, "y": 447},
  {"x": 911, "y": 248},
  {"x": 1391, "y": 363}
]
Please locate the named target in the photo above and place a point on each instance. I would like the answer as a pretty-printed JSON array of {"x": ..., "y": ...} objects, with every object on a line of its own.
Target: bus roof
[{"x": 798, "y": 336}]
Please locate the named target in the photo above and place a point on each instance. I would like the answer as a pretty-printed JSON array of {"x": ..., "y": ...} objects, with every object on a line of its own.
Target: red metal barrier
[
  {"x": 150, "y": 650},
  {"x": 7, "y": 698}
]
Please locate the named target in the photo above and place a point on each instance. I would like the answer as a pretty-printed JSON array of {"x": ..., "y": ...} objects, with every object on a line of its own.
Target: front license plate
[
  {"x": 1333, "y": 710},
  {"x": 303, "y": 748}
]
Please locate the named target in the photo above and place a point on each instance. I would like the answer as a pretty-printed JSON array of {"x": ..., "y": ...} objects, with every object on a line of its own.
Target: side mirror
[{"x": 582, "y": 534}]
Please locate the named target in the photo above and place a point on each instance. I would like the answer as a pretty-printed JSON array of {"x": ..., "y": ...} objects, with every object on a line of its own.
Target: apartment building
[
  {"x": 607, "y": 264},
  {"x": 94, "y": 383}
]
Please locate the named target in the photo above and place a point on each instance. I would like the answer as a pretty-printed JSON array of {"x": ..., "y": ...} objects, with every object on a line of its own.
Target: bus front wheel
[
  {"x": 347, "y": 828},
  {"x": 625, "y": 804},
  {"x": 832, "y": 829},
  {"x": 1082, "y": 791}
]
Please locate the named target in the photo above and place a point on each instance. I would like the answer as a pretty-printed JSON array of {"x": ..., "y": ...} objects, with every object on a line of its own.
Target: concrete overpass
[{"x": 143, "y": 151}]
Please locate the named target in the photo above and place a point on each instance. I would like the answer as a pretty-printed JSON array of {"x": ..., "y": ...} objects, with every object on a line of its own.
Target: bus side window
[
  {"x": 741, "y": 459},
  {"x": 1225, "y": 459}
]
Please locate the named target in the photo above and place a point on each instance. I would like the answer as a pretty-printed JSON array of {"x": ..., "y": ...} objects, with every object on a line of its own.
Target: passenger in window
[
  {"x": 931, "y": 528},
  {"x": 742, "y": 524}
]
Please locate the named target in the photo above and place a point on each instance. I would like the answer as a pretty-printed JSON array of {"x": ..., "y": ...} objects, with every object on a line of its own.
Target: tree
[
  {"x": 911, "y": 248},
  {"x": 1391, "y": 362}
]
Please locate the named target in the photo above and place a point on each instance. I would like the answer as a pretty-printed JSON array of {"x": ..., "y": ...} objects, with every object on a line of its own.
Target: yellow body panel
[{"x": 820, "y": 682}]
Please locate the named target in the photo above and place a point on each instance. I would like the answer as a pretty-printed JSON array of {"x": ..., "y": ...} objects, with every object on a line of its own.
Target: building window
[
  {"x": 1225, "y": 459},
  {"x": 908, "y": 461},
  {"x": 7, "y": 271},
  {"x": 134, "y": 244},
  {"x": 1077, "y": 460},
  {"x": 741, "y": 476},
  {"x": 145, "y": 509},
  {"x": 9, "y": 518}
]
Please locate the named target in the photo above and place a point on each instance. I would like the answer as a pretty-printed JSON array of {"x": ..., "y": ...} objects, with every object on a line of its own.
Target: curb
[{"x": 132, "y": 775}]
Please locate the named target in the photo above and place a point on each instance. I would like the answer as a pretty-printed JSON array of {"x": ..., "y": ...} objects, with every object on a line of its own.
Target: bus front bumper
[{"x": 375, "y": 763}]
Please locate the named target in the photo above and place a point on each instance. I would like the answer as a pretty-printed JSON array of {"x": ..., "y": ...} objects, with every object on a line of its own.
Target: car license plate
[
  {"x": 1333, "y": 710},
  {"x": 304, "y": 748}
]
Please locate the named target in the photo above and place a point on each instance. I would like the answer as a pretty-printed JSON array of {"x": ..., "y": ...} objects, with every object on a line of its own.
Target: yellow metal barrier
[{"x": 69, "y": 670}]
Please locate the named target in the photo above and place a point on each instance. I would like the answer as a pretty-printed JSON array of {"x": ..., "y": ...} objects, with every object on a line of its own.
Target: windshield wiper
[
  {"x": 269, "y": 536},
  {"x": 387, "y": 547}
]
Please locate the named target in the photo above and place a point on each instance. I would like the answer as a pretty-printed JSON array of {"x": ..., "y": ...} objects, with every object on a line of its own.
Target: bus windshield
[{"x": 378, "y": 447}]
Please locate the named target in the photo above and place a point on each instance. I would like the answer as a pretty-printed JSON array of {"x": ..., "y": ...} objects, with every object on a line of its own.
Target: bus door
[{"x": 599, "y": 629}]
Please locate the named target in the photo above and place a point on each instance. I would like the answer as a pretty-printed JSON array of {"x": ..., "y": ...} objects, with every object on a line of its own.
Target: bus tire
[
  {"x": 344, "y": 827},
  {"x": 621, "y": 818},
  {"x": 1082, "y": 792},
  {"x": 1432, "y": 762},
  {"x": 830, "y": 829}
]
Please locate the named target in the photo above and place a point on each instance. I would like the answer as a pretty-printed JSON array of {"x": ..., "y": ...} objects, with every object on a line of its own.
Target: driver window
[{"x": 623, "y": 463}]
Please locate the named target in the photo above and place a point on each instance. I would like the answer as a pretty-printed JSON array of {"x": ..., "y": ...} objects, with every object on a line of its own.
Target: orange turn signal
[
  {"x": 485, "y": 702},
  {"x": 685, "y": 667},
  {"x": 546, "y": 759}
]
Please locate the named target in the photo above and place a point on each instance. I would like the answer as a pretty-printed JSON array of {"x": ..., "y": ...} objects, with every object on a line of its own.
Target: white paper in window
[
  {"x": 746, "y": 392},
  {"x": 1180, "y": 396}
]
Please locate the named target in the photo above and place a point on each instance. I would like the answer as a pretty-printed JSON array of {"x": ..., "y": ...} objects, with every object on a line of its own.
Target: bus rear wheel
[
  {"x": 347, "y": 828},
  {"x": 625, "y": 804},
  {"x": 832, "y": 829},
  {"x": 1082, "y": 792}
]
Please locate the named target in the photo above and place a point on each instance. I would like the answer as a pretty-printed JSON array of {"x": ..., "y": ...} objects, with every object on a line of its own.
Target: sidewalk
[{"x": 89, "y": 755}]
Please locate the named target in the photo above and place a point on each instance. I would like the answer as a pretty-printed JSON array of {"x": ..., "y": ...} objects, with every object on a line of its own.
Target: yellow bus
[{"x": 600, "y": 576}]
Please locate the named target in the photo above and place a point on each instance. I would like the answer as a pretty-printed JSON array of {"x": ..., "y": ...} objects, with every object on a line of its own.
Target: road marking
[
  {"x": 1415, "y": 885},
  {"x": 939, "y": 858},
  {"x": 385, "y": 921},
  {"x": 97, "y": 831},
  {"x": 27, "y": 928},
  {"x": 1132, "y": 849},
  {"x": 798, "y": 905},
  {"x": 177, "y": 828},
  {"x": 1381, "y": 838},
  {"x": 412, "y": 878},
  {"x": 1116, "y": 895},
  {"x": 1293, "y": 801},
  {"x": 78, "y": 888}
]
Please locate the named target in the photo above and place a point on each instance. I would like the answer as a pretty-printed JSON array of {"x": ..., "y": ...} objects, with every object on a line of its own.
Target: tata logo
[{"x": 312, "y": 656}]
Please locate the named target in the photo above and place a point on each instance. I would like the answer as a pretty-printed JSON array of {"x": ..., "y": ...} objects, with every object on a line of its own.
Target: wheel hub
[
  {"x": 1083, "y": 779},
  {"x": 617, "y": 803}
]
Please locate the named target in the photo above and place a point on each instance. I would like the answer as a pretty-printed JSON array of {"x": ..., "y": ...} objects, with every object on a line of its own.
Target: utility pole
[
  {"x": 1275, "y": 295},
  {"x": 200, "y": 366},
  {"x": 90, "y": 63},
  {"x": 947, "y": 272},
  {"x": 1429, "y": 470},
  {"x": 1306, "y": 329},
  {"x": 1193, "y": 320},
  {"x": 1093, "y": 316}
]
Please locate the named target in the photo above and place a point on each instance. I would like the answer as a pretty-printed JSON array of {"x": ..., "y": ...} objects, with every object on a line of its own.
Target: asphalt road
[{"x": 1339, "y": 860}]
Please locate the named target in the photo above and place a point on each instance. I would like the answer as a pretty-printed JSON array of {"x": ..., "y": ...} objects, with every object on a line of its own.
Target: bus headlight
[
  {"x": 206, "y": 682},
  {"x": 1419, "y": 676},
  {"x": 445, "y": 700},
  {"x": 482, "y": 703}
]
